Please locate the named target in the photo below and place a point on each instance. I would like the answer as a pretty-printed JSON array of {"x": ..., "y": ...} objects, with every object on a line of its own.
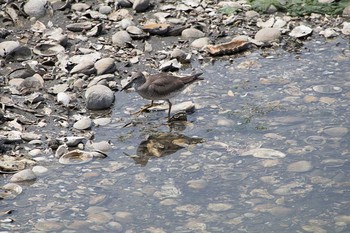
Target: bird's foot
[{"x": 145, "y": 108}]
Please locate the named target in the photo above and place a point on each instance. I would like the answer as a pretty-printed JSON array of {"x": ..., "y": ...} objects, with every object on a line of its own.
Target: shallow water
[{"x": 201, "y": 179}]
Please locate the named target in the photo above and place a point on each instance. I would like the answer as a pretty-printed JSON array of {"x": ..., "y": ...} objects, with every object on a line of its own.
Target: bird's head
[{"x": 137, "y": 79}]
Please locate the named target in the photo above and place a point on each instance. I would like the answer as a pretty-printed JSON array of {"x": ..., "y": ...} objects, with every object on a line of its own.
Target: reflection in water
[{"x": 162, "y": 144}]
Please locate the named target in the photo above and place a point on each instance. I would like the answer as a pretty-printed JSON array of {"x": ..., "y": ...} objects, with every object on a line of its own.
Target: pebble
[
  {"x": 102, "y": 146},
  {"x": 200, "y": 42},
  {"x": 99, "y": 97},
  {"x": 141, "y": 5},
  {"x": 35, "y": 8},
  {"x": 126, "y": 23},
  {"x": 267, "y": 34},
  {"x": 124, "y": 217},
  {"x": 300, "y": 166},
  {"x": 24, "y": 175},
  {"x": 105, "y": 9},
  {"x": 7, "y": 47},
  {"x": 83, "y": 123},
  {"x": 49, "y": 226},
  {"x": 63, "y": 98},
  {"x": 346, "y": 28},
  {"x": 102, "y": 121},
  {"x": 336, "y": 131},
  {"x": 329, "y": 33},
  {"x": 104, "y": 66},
  {"x": 197, "y": 184},
  {"x": 121, "y": 38},
  {"x": 219, "y": 207},
  {"x": 39, "y": 170},
  {"x": 192, "y": 33}
]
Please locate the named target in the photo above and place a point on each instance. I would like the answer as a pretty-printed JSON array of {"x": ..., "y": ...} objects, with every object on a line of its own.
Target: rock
[
  {"x": 36, "y": 8},
  {"x": 346, "y": 11},
  {"x": 169, "y": 65},
  {"x": 7, "y": 47},
  {"x": 329, "y": 33},
  {"x": 83, "y": 123},
  {"x": 192, "y": 33},
  {"x": 252, "y": 14},
  {"x": 126, "y": 23},
  {"x": 63, "y": 98},
  {"x": 80, "y": 7},
  {"x": 104, "y": 66},
  {"x": 24, "y": 175},
  {"x": 300, "y": 166},
  {"x": 31, "y": 84},
  {"x": 124, "y": 217},
  {"x": 141, "y": 5},
  {"x": 219, "y": 207},
  {"x": 336, "y": 131},
  {"x": 267, "y": 34},
  {"x": 179, "y": 54},
  {"x": 84, "y": 67},
  {"x": 197, "y": 184},
  {"x": 105, "y": 9},
  {"x": 102, "y": 121},
  {"x": 99, "y": 97},
  {"x": 346, "y": 28},
  {"x": 121, "y": 38},
  {"x": 103, "y": 146},
  {"x": 200, "y": 42},
  {"x": 39, "y": 170},
  {"x": 300, "y": 31}
]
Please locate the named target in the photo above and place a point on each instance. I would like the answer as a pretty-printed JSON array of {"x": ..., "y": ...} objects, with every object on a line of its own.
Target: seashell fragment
[
  {"x": 76, "y": 157},
  {"x": 234, "y": 46},
  {"x": 49, "y": 49},
  {"x": 156, "y": 28}
]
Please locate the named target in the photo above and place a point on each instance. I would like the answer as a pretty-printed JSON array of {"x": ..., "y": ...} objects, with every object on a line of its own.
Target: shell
[
  {"x": 76, "y": 157},
  {"x": 234, "y": 46}
]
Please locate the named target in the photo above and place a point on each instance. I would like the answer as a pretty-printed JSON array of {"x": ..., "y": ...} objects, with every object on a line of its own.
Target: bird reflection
[{"x": 162, "y": 144}]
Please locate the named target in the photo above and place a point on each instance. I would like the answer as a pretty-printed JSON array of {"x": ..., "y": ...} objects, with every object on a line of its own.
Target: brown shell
[{"x": 234, "y": 46}]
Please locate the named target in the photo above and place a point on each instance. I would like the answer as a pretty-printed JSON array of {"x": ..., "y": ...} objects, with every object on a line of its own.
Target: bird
[{"x": 161, "y": 86}]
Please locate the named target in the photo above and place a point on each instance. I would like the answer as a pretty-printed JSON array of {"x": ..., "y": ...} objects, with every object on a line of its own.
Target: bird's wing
[{"x": 166, "y": 84}]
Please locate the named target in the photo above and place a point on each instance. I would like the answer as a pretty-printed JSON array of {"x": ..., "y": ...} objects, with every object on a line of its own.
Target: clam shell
[
  {"x": 76, "y": 157},
  {"x": 234, "y": 46}
]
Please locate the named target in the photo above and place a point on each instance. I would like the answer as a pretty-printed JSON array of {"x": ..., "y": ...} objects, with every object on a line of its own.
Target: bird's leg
[
  {"x": 143, "y": 109},
  {"x": 169, "y": 109}
]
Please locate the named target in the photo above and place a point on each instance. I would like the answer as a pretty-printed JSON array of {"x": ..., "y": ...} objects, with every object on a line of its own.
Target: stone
[
  {"x": 141, "y": 5},
  {"x": 104, "y": 66},
  {"x": 36, "y": 8},
  {"x": 7, "y": 47},
  {"x": 336, "y": 131},
  {"x": 346, "y": 28},
  {"x": 83, "y": 123},
  {"x": 24, "y": 175},
  {"x": 300, "y": 166},
  {"x": 99, "y": 97},
  {"x": 200, "y": 42},
  {"x": 121, "y": 38},
  {"x": 219, "y": 207},
  {"x": 105, "y": 9},
  {"x": 346, "y": 11},
  {"x": 267, "y": 34},
  {"x": 192, "y": 33}
]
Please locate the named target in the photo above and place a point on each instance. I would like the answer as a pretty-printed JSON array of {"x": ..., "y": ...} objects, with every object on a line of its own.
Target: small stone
[
  {"x": 124, "y": 217},
  {"x": 105, "y": 66},
  {"x": 310, "y": 99},
  {"x": 192, "y": 33},
  {"x": 105, "y": 9},
  {"x": 252, "y": 14},
  {"x": 115, "y": 226},
  {"x": 346, "y": 28},
  {"x": 200, "y": 42},
  {"x": 327, "y": 100},
  {"x": 300, "y": 166},
  {"x": 126, "y": 22},
  {"x": 49, "y": 226},
  {"x": 83, "y": 123},
  {"x": 267, "y": 34},
  {"x": 39, "y": 170},
  {"x": 329, "y": 33},
  {"x": 169, "y": 65},
  {"x": 36, "y": 8},
  {"x": 141, "y": 5},
  {"x": 346, "y": 11},
  {"x": 99, "y": 97},
  {"x": 336, "y": 131},
  {"x": 219, "y": 207},
  {"x": 24, "y": 175},
  {"x": 7, "y": 47},
  {"x": 102, "y": 146},
  {"x": 197, "y": 184},
  {"x": 121, "y": 38},
  {"x": 102, "y": 121}
]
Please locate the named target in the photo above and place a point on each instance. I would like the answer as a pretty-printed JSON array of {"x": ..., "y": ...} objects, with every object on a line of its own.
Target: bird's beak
[{"x": 128, "y": 85}]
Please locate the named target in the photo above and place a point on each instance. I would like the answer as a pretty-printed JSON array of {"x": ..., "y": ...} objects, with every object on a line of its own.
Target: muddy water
[{"x": 266, "y": 150}]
